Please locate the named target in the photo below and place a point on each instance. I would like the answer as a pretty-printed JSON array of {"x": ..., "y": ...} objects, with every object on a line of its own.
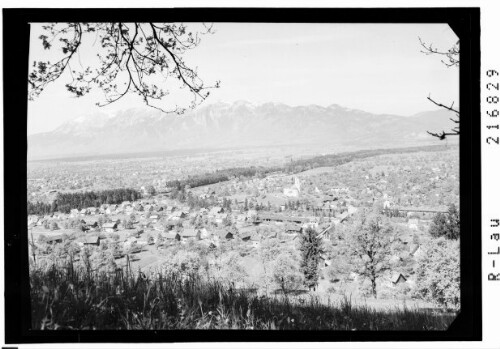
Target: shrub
[
  {"x": 331, "y": 289},
  {"x": 228, "y": 268},
  {"x": 438, "y": 275},
  {"x": 403, "y": 290},
  {"x": 183, "y": 263},
  {"x": 385, "y": 294},
  {"x": 446, "y": 224},
  {"x": 286, "y": 273}
]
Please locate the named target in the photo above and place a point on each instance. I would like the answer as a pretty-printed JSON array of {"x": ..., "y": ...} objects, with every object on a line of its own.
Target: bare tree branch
[
  {"x": 450, "y": 108},
  {"x": 140, "y": 58},
  {"x": 443, "y": 134},
  {"x": 453, "y": 56}
]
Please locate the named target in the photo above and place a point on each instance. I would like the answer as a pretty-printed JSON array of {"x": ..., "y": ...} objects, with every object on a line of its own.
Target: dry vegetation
[{"x": 62, "y": 300}]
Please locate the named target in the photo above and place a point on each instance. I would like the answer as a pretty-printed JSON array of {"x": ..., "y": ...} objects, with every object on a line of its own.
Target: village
[
  {"x": 235, "y": 175},
  {"x": 248, "y": 216}
]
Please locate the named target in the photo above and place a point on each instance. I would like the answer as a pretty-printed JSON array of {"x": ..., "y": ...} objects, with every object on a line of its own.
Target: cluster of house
[
  {"x": 164, "y": 224},
  {"x": 165, "y": 221},
  {"x": 270, "y": 183},
  {"x": 129, "y": 208},
  {"x": 152, "y": 219}
]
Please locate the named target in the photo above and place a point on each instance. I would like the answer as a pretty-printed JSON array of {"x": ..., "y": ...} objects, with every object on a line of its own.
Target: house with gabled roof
[
  {"x": 178, "y": 215},
  {"x": 415, "y": 250},
  {"x": 90, "y": 222},
  {"x": 291, "y": 228},
  {"x": 138, "y": 207},
  {"x": 341, "y": 217},
  {"x": 246, "y": 236},
  {"x": 190, "y": 233},
  {"x": 324, "y": 261},
  {"x": 225, "y": 235},
  {"x": 170, "y": 224},
  {"x": 54, "y": 239},
  {"x": 216, "y": 210},
  {"x": 110, "y": 227},
  {"x": 91, "y": 240},
  {"x": 398, "y": 278},
  {"x": 281, "y": 218},
  {"x": 239, "y": 217},
  {"x": 172, "y": 236}
]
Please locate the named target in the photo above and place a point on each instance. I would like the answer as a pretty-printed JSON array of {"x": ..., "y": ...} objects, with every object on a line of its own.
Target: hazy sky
[{"x": 373, "y": 67}]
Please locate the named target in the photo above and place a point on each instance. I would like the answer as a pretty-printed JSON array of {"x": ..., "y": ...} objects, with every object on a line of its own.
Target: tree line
[
  {"x": 292, "y": 167},
  {"x": 343, "y": 158},
  {"x": 216, "y": 177},
  {"x": 65, "y": 202}
]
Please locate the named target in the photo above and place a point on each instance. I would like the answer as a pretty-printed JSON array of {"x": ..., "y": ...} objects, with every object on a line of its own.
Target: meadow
[{"x": 63, "y": 298}]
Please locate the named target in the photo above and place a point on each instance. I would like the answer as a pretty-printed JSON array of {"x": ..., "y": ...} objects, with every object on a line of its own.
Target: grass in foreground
[{"x": 61, "y": 300}]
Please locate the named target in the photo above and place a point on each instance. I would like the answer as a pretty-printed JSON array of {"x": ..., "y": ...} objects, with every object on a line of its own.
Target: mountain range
[{"x": 236, "y": 125}]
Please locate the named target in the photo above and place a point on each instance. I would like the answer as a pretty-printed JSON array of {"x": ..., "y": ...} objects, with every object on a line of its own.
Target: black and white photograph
[{"x": 245, "y": 175}]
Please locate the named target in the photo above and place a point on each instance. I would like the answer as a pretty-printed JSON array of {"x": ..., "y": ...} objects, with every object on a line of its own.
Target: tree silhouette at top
[
  {"x": 141, "y": 58},
  {"x": 451, "y": 58}
]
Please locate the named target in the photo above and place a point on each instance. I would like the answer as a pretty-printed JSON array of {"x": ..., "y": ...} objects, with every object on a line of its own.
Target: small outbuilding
[
  {"x": 225, "y": 235},
  {"x": 92, "y": 240},
  {"x": 110, "y": 227},
  {"x": 216, "y": 210},
  {"x": 190, "y": 233},
  {"x": 246, "y": 236},
  {"x": 172, "y": 236},
  {"x": 54, "y": 239},
  {"x": 398, "y": 278}
]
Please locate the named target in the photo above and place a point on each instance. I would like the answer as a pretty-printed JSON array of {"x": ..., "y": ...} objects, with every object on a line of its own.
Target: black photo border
[{"x": 464, "y": 21}]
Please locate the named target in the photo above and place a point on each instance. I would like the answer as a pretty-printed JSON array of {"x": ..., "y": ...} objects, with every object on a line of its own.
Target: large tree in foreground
[
  {"x": 372, "y": 242},
  {"x": 145, "y": 59},
  {"x": 311, "y": 249},
  {"x": 450, "y": 58}
]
